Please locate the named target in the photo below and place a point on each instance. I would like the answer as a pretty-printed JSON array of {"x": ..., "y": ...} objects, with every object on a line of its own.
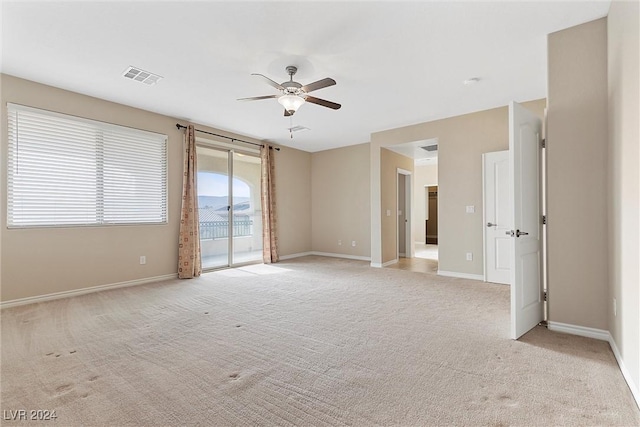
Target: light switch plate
[{"x": 471, "y": 209}]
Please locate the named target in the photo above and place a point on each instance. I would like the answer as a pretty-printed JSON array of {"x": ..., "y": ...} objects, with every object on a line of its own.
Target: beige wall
[
  {"x": 40, "y": 261},
  {"x": 293, "y": 199},
  {"x": 425, "y": 175},
  {"x": 576, "y": 175},
  {"x": 461, "y": 142},
  {"x": 624, "y": 183},
  {"x": 389, "y": 164},
  {"x": 340, "y": 201}
]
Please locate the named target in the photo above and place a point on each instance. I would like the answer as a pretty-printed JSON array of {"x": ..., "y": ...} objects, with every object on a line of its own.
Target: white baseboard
[
  {"x": 635, "y": 389},
  {"x": 385, "y": 264},
  {"x": 83, "y": 291},
  {"x": 292, "y": 256},
  {"x": 356, "y": 257},
  {"x": 461, "y": 275},
  {"x": 346, "y": 256},
  {"x": 583, "y": 331},
  {"x": 600, "y": 334}
]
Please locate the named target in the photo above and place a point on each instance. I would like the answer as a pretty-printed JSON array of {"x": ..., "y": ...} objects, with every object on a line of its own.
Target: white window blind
[{"x": 67, "y": 171}]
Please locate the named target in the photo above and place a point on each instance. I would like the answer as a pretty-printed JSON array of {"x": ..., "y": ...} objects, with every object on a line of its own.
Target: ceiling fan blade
[
  {"x": 287, "y": 113},
  {"x": 318, "y": 85},
  {"x": 322, "y": 102},
  {"x": 269, "y": 81},
  {"x": 255, "y": 98}
]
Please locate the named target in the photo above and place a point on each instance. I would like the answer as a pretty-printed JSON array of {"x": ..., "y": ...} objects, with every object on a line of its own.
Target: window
[{"x": 68, "y": 171}]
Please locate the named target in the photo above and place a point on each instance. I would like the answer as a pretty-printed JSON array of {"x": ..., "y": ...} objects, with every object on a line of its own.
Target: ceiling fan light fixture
[{"x": 291, "y": 103}]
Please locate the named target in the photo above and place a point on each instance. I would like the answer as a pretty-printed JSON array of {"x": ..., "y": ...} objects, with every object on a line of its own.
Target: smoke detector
[{"x": 139, "y": 75}]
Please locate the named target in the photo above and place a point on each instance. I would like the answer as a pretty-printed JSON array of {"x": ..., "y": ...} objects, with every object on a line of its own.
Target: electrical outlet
[
  {"x": 353, "y": 243},
  {"x": 615, "y": 308},
  {"x": 339, "y": 242},
  {"x": 469, "y": 256},
  {"x": 143, "y": 260}
]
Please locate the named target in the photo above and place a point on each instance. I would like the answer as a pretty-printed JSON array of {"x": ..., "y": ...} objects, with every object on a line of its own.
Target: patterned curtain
[
  {"x": 189, "y": 261},
  {"x": 268, "y": 196}
]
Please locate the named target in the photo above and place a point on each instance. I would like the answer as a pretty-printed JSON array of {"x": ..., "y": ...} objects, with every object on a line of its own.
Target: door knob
[
  {"x": 509, "y": 233},
  {"x": 490, "y": 224}
]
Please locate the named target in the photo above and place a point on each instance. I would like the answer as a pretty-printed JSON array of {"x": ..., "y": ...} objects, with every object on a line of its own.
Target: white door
[
  {"x": 497, "y": 221},
  {"x": 404, "y": 239},
  {"x": 527, "y": 305}
]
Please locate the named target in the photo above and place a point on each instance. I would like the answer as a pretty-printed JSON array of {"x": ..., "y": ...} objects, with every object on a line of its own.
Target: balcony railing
[{"x": 220, "y": 229}]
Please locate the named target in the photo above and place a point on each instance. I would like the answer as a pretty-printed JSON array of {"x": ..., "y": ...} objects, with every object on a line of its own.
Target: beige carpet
[{"x": 309, "y": 342}]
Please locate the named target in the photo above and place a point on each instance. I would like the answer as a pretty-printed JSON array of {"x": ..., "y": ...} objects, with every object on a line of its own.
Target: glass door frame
[{"x": 230, "y": 151}]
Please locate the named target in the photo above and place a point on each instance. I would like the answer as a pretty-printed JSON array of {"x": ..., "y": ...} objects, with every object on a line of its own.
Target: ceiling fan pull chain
[{"x": 291, "y": 126}]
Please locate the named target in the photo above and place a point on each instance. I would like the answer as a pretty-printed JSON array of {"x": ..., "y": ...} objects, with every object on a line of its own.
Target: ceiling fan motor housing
[
  {"x": 293, "y": 94},
  {"x": 291, "y": 87}
]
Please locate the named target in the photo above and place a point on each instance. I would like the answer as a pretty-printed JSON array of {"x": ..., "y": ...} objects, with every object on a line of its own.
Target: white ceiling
[{"x": 395, "y": 63}]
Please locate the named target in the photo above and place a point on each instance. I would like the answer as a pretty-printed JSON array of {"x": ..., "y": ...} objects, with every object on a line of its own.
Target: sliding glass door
[
  {"x": 229, "y": 207},
  {"x": 247, "y": 209}
]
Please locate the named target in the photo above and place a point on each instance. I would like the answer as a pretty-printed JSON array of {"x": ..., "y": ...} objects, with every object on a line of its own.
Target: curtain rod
[{"x": 179, "y": 126}]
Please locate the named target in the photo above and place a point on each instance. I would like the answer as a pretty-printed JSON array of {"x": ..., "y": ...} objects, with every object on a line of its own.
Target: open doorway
[
  {"x": 425, "y": 176},
  {"x": 431, "y": 223},
  {"x": 428, "y": 248}
]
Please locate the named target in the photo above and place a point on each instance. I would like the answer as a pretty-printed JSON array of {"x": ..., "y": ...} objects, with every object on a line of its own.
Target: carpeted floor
[{"x": 311, "y": 342}]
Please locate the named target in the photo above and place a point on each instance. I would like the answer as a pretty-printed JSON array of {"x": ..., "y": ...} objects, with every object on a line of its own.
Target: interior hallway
[{"x": 425, "y": 260}]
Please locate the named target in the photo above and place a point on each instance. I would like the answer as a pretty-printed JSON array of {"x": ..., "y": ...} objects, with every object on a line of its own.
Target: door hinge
[
  {"x": 544, "y": 219},
  {"x": 544, "y": 143},
  {"x": 544, "y": 295}
]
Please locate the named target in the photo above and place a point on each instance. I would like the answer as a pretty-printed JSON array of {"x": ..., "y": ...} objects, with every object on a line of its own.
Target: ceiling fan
[{"x": 293, "y": 94}]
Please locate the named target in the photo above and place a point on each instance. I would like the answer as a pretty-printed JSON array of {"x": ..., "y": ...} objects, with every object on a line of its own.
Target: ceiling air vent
[
  {"x": 294, "y": 129},
  {"x": 297, "y": 129},
  {"x": 135, "y": 73},
  {"x": 430, "y": 148}
]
